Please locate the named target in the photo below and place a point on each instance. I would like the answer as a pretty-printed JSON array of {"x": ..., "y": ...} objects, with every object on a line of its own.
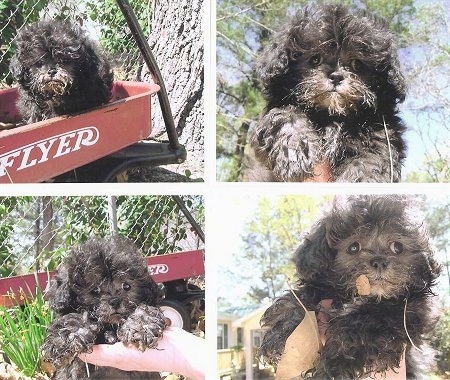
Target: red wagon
[{"x": 94, "y": 146}]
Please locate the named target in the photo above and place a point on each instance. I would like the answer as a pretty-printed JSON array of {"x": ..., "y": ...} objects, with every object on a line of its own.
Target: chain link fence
[
  {"x": 36, "y": 232},
  {"x": 102, "y": 20}
]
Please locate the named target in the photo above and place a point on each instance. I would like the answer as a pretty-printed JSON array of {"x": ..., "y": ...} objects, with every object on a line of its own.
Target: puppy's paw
[
  {"x": 287, "y": 143},
  {"x": 67, "y": 337},
  {"x": 143, "y": 328}
]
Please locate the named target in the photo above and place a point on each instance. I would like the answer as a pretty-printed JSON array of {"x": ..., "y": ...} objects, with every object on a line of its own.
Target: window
[
  {"x": 257, "y": 337},
  {"x": 222, "y": 336},
  {"x": 240, "y": 336}
]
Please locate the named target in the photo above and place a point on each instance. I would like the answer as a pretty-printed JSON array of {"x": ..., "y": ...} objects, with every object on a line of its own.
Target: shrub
[{"x": 23, "y": 329}]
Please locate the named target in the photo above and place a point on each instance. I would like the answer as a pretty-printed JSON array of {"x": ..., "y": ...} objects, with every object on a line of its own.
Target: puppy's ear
[
  {"x": 273, "y": 63},
  {"x": 59, "y": 295},
  {"x": 314, "y": 257},
  {"x": 435, "y": 268},
  {"x": 396, "y": 81},
  {"x": 16, "y": 68}
]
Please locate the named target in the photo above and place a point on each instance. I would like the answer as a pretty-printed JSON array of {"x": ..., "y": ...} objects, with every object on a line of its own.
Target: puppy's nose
[
  {"x": 336, "y": 78},
  {"x": 52, "y": 71},
  {"x": 114, "y": 302},
  {"x": 379, "y": 263}
]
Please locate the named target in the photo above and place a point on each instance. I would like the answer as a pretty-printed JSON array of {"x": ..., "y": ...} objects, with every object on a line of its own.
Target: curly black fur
[
  {"x": 59, "y": 71},
  {"x": 379, "y": 237},
  {"x": 332, "y": 83},
  {"x": 101, "y": 293}
]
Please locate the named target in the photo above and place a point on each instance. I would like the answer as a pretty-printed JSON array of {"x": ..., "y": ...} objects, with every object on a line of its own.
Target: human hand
[
  {"x": 178, "y": 351},
  {"x": 321, "y": 173}
]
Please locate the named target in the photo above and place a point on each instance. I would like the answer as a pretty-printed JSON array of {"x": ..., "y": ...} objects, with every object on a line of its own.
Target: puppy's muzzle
[{"x": 55, "y": 83}]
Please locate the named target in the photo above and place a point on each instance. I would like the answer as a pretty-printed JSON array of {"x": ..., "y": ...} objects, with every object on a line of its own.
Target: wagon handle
[
  {"x": 189, "y": 217},
  {"x": 149, "y": 59}
]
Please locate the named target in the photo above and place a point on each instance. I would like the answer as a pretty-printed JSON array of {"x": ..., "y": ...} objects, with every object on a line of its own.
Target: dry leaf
[
  {"x": 301, "y": 349},
  {"x": 363, "y": 285}
]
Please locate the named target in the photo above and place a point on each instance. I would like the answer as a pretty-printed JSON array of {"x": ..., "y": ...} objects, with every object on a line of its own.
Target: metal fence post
[{"x": 112, "y": 215}]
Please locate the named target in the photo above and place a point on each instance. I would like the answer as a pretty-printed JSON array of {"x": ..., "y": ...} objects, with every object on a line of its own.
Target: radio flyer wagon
[{"x": 97, "y": 145}]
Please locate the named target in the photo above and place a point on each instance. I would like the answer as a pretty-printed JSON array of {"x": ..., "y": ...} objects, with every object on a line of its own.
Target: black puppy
[
  {"x": 332, "y": 83},
  {"x": 101, "y": 293},
  {"x": 378, "y": 239},
  {"x": 59, "y": 71}
]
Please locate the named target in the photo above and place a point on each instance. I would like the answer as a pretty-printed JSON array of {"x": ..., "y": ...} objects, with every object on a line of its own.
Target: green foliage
[
  {"x": 23, "y": 330},
  {"x": 398, "y": 13},
  {"x": 155, "y": 226},
  {"x": 241, "y": 31},
  {"x": 83, "y": 217},
  {"x": 7, "y": 205},
  {"x": 441, "y": 341},
  {"x": 434, "y": 169},
  {"x": 13, "y": 14},
  {"x": 154, "y": 223},
  {"x": 269, "y": 240},
  {"x": 116, "y": 37}
]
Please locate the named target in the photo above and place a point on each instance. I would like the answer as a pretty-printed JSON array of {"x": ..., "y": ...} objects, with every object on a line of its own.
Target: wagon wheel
[{"x": 177, "y": 313}]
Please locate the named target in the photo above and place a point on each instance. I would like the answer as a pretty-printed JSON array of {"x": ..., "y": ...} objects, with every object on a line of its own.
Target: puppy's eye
[
  {"x": 316, "y": 60},
  {"x": 295, "y": 55},
  {"x": 95, "y": 291},
  {"x": 126, "y": 286},
  {"x": 396, "y": 247},
  {"x": 354, "y": 248},
  {"x": 356, "y": 65}
]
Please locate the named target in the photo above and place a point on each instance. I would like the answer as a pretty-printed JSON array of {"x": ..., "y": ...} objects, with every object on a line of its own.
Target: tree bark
[{"x": 177, "y": 43}]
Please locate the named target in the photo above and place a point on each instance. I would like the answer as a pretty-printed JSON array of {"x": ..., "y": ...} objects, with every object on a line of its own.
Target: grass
[{"x": 23, "y": 329}]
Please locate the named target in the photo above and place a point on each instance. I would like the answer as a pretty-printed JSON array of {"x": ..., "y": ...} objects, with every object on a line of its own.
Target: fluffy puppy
[
  {"x": 381, "y": 239},
  {"x": 59, "y": 71},
  {"x": 101, "y": 293},
  {"x": 332, "y": 84}
]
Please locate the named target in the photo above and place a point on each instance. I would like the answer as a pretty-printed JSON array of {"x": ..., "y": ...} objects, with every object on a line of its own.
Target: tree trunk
[
  {"x": 43, "y": 230},
  {"x": 177, "y": 43}
]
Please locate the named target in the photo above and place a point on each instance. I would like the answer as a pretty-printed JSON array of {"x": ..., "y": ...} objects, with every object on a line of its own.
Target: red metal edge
[
  {"x": 163, "y": 268},
  {"x": 121, "y": 91},
  {"x": 39, "y": 151},
  {"x": 176, "y": 265}
]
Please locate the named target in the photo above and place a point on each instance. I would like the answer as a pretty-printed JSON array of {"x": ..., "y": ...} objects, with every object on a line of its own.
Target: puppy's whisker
[
  {"x": 406, "y": 329},
  {"x": 391, "y": 161}
]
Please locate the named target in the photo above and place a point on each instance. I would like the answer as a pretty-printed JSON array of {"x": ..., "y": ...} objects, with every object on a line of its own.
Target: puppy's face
[
  {"x": 332, "y": 65},
  {"x": 106, "y": 279},
  {"x": 334, "y": 60},
  {"x": 50, "y": 58},
  {"x": 382, "y": 240},
  {"x": 108, "y": 290},
  {"x": 332, "y": 80},
  {"x": 54, "y": 72},
  {"x": 393, "y": 263}
]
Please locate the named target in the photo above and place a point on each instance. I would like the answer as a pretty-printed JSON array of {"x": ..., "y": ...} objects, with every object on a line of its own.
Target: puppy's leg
[
  {"x": 143, "y": 328},
  {"x": 68, "y": 336},
  {"x": 376, "y": 161},
  {"x": 279, "y": 321},
  {"x": 285, "y": 141},
  {"x": 362, "y": 342}
]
